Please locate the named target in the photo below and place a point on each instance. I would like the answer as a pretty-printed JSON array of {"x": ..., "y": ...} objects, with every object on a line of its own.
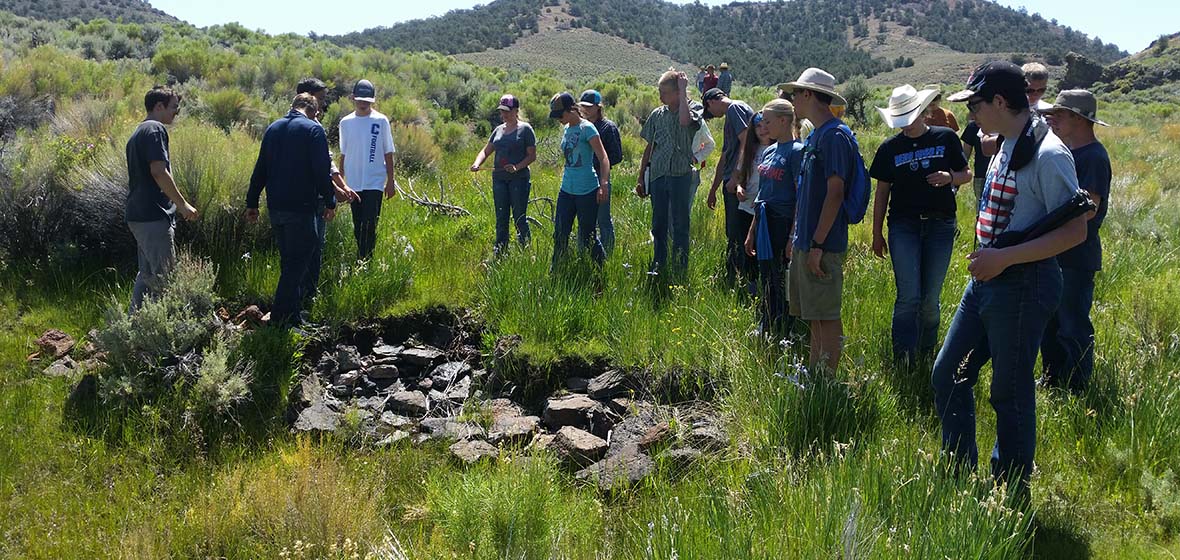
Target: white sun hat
[{"x": 906, "y": 104}]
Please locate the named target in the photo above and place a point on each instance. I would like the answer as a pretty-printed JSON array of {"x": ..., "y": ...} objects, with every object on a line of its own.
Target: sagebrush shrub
[{"x": 416, "y": 149}]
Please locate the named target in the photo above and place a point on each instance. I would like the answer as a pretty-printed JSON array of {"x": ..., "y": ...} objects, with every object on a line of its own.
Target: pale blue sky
[{"x": 1133, "y": 31}]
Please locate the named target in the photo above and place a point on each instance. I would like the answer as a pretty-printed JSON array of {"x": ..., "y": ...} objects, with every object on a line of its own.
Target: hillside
[
  {"x": 137, "y": 11},
  {"x": 1150, "y": 75},
  {"x": 574, "y": 54},
  {"x": 766, "y": 40}
]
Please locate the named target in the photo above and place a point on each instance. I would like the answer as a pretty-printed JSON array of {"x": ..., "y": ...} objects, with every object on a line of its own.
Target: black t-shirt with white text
[{"x": 904, "y": 163}]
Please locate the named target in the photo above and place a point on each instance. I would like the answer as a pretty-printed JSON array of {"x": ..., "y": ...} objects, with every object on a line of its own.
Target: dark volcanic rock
[
  {"x": 577, "y": 384},
  {"x": 318, "y": 418},
  {"x": 609, "y": 384},
  {"x": 575, "y": 410},
  {"x": 578, "y": 447},
  {"x": 411, "y": 403},
  {"x": 54, "y": 344},
  {"x": 347, "y": 359},
  {"x": 449, "y": 373},
  {"x": 61, "y": 368},
  {"x": 623, "y": 469},
  {"x": 422, "y": 356},
  {"x": 382, "y": 371}
]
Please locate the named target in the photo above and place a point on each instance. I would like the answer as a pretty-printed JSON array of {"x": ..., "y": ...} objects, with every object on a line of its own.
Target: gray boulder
[
  {"x": 450, "y": 372},
  {"x": 609, "y": 384},
  {"x": 61, "y": 368},
  {"x": 575, "y": 410},
  {"x": 348, "y": 359},
  {"x": 421, "y": 356},
  {"x": 411, "y": 403},
  {"x": 318, "y": 418},
  {"x": 473, "y": 451},
  {"x": 578, "y": 447},
  {"x": 620, "y": 470}
]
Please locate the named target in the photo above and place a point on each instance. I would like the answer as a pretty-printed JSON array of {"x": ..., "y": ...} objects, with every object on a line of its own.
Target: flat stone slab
[
  {"x": 473, "y": 451},
  {"x": 318, "y": 418},
  {"x": 411, "y": 403},
  {"x": 578, "y": 447},
  {"x": 421, "y": 355},
  {"x": 620, "y": 470},
  {"x": 574, "y": 410}
]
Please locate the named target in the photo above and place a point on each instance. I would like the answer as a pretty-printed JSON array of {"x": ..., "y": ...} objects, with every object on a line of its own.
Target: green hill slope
[
  {"x": 1151, "y": 75},
  {"x": 764, "y": 39},
  {"x": 138, "y": 11}
]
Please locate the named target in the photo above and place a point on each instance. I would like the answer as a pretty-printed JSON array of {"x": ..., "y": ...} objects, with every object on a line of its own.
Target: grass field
[{"x": 847, "y": 469}]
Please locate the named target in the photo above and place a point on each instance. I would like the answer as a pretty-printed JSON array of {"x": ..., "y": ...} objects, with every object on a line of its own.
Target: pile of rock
[
  {"x": 597, "y": 426},
  {"x": 64, "y": 355}
]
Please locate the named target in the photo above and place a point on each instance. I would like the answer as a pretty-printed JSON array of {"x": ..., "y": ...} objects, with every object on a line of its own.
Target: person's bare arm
[
  {"x": 482, "y": 155},
  {"x": 988, "y": 145},
  {"x": 827, "y": 217},
  {"x": 391, "y": 185},
  {"x": 734, "y": 179},
  {"x": 682, "y": 87},
  {"x": 167, "y": 184},
  {"x": 640, "y": 185},
  {"x": 603, "y": 168},
  {"x": 530, "y": 155},
  {"x": 880, "y": 206}
]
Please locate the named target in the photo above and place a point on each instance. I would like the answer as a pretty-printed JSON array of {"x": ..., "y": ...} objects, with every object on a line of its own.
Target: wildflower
[{"x": 246, "y": 256}]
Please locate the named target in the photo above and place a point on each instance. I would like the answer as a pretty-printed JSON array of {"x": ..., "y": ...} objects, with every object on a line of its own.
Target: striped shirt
[{"x": 999, "y": 196}]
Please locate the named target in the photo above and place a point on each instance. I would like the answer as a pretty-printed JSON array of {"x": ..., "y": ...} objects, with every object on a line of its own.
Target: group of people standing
[
  {"x": 708, "y": 78},
  {"x": 789, "y": 201}
]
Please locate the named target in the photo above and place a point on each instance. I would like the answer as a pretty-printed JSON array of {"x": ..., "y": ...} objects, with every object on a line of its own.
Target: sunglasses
[
  {"x": 1031, "y": 91},
  {"x": 973, "y": 105}
]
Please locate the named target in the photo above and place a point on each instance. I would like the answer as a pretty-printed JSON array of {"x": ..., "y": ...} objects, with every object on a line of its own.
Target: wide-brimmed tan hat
[
  {"x": 1079, "y": 101},
  {"x": 814, "y": 79},
  {"x": 906, "y": 105}
]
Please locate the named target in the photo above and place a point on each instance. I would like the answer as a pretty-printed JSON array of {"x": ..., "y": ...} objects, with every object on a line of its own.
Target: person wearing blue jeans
[
  {"x": 515, "y": 146},
  {"x": 666, "y": 170},
  {"x": 918, "y": 171},
  {"x": 591, "y": 104},
  {"x": 671, "y": 204},
  {"x": 1015, "y": 286},
  {"x": 295, "y": 169},
  {"x": 1067, "y": 350},
  {"x": 583, "y": 187}
]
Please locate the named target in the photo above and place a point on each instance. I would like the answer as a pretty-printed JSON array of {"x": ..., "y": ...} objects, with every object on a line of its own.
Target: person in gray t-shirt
[
  {"x": 515, "y": 145},
  {"x": 152, "y": 196},
  {"x": 1015, "y": 289}
]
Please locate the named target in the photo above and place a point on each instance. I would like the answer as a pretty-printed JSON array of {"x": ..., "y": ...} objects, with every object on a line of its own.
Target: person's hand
[
  {"x": 601, "y": 197},
  {"x": 815, "y": 265},
  {"x": 511, "y": 168},
  {"x": 741, "y": 193},
  {"x": 346, "y": 194},
  {"x": 731, "y": 185},
  {"x": 474, "y": 168},
  {"x": 939, "y": 179},
  {"x": 880, "y": 247},
  {"x": 682, "y": 82},
  {"x": 252, "y": 215},
  {"x": 790, "y": 250},
  {"x": 188, "y": 212},
  {"x": 329, "y": 214},
  {"x": 987, "y": 263},
  {"x": 751, "y": 246},
  {"x": 712, "y": 200},
  {"x": 640, "y": 190},
  {"x": 391, "y": 187}
]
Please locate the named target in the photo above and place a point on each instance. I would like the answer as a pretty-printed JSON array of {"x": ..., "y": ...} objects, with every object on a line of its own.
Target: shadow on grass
[{"x": 1054, "y": 539}]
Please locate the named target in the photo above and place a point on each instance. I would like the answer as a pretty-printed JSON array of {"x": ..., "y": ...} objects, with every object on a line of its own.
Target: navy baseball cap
[
  {"x": 590, "y": 98},
  {"x": 364, "y": 91},
  {"x": 998, "y": 77},
  {"x": 508, "y": 102},
  {"x": 561, "y": 103},
  {"x": 712, "y": 95}
]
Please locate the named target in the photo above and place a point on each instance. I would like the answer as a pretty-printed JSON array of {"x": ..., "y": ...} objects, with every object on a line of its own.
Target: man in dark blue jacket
[{"x": 295, "y": 164}]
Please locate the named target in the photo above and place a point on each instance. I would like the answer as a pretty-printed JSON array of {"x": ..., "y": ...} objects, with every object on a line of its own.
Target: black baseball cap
[
  {"x": 998, "y": 77},
  {"x": 712, "y": 94},
  {"x": 364, "y": 91},
  {"x": 561, "y": 103}
]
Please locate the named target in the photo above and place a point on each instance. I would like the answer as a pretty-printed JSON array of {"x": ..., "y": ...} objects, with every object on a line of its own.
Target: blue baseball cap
[
  {"x": 364, "y": 91},
  {"x": 590, "y": 98}
]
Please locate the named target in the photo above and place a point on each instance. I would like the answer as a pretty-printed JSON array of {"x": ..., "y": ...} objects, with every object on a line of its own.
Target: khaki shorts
[{"x": 813, "y": 298}]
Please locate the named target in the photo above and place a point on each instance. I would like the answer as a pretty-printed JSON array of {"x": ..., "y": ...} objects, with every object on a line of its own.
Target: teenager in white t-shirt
[{"x": 366, "y": 157}]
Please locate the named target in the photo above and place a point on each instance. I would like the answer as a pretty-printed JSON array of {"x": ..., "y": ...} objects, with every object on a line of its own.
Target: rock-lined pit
[{"x": 423, "y": 379}]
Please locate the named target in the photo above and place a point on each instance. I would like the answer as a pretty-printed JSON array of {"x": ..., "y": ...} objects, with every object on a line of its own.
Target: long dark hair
[{"x": 753, "y": 148}]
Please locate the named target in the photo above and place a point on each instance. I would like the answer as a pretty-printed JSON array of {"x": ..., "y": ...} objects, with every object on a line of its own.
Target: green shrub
[
  {"x": 416, "y": 151},
  {"x": 229, "y": 108},
  {"x": 451, "y": 136}
]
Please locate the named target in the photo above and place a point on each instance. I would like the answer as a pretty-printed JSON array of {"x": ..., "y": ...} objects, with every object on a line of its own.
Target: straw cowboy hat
[
  {"x": 814, "y": 79},
  {"x": 906, "y": 104}
]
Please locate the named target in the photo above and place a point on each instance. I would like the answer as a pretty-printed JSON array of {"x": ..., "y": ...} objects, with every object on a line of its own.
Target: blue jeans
[
  {"x": 296, "y": 236},
  {"x": 584, "y": 207},
  {"x": 511, "y": 199},
  {"x": 606, "y": 226},
  {"x": 737, "y": 226},
  {"x": 1067, "y": 349},
  {"x": 1001, "y": 320},
  {"x": 671, "y": 204},
  {"x": 921, "y": 252},
  {"x": 311, "y": 282}
]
